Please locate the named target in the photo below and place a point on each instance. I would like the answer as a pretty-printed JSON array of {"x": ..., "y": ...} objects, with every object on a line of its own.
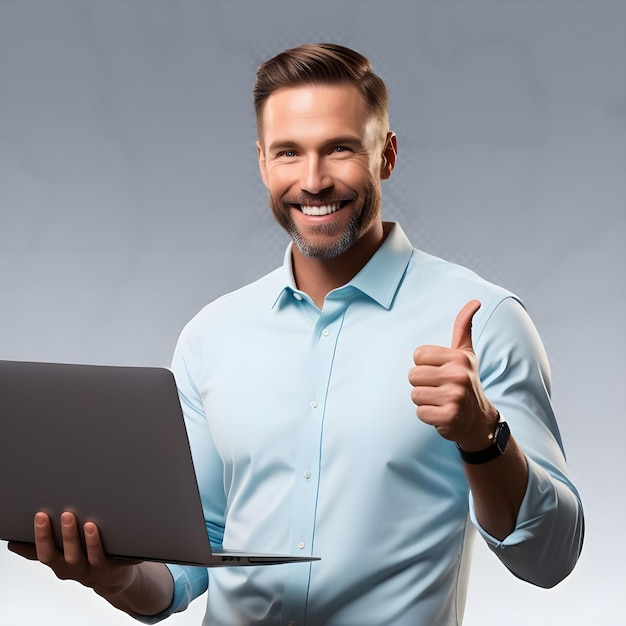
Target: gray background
[{"x": 129, "y": 197}]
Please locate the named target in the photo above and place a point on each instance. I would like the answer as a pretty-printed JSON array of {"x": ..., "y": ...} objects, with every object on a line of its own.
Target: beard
[{"x": 365, "y": 214}]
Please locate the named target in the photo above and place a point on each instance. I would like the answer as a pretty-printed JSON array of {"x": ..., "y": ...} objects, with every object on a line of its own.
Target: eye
[
  {"x": 342, "y": 151},
  {"x": 286, "y": 153}
]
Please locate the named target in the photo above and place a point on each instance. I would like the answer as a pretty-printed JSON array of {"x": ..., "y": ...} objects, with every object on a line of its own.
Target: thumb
[{"x": 462, "y": 333}]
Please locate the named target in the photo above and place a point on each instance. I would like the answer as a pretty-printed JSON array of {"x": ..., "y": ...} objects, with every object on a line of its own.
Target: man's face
[{"x": 321, "y": 159}]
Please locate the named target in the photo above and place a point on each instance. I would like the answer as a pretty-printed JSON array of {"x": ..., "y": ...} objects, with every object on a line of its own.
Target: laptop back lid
[{"x": 107, "y": 443}]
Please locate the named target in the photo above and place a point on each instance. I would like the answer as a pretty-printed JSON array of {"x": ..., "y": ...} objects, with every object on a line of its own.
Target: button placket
[{"x": 319, "y": 369}]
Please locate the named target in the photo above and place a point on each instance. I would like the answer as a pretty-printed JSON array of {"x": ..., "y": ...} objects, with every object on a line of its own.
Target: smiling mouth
[{"x": 321, "y": 209}]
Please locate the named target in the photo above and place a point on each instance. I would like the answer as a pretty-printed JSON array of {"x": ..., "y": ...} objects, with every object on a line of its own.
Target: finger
[
  {"x": 428, "y": 413},
  {"x": 72, "y": 547},
  {"x": 431, "y": 355},
  {"x": 46, "y": 549},
  {"x": 462, "y": 333},
  {"x": 426, "y": 375},
  {"x": 93, "y": 545},
  {"x": 449, "y": 397},
  {"x": 435, "y": 415}
]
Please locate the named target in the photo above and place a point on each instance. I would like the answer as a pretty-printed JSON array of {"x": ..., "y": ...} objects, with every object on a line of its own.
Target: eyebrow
[{"x": 341, "y": 140}]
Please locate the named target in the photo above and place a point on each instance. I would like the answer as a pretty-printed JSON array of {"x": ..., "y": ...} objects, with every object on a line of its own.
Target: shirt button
[
  {"x": 307, "y": 474},
  {"x": 326, "y": 332},
  {"x": 314, "y": 404},
  {"x": 297, "y": 296},
  {"x": 301, "y": 545}
]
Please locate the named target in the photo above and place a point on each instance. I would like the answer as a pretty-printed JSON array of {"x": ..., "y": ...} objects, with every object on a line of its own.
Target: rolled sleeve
[
  {"x": 547, "y": 539},
  {"x": 189, "y": 583}
]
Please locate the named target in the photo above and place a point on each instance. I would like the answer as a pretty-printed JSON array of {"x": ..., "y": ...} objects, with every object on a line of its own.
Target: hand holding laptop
[
  {"x": 89, "y": 565},
  {"x": 135, "y": 586}
]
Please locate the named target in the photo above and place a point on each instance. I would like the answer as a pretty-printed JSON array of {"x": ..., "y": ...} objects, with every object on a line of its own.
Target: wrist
[
  {"x": 490, "y": 448},
  {"x": 481, "y": 436},
  {"x": 119, "y": 583}
]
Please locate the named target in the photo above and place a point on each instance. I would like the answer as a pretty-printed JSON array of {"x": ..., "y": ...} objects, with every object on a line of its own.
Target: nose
[{"x": 314, "y": 176}]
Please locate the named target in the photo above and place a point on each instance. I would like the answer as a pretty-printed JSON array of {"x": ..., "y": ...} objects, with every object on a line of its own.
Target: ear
[
  {"x": 390, "y": 153},
  {"x": 262, "y": 162}
]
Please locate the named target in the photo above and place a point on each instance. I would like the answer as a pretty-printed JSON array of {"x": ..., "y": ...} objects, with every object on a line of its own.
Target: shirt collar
[{"x": 379, "y": 279}]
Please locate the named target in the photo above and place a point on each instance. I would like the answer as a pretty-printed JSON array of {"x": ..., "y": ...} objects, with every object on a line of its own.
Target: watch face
[{"x": 502, "y": 436}]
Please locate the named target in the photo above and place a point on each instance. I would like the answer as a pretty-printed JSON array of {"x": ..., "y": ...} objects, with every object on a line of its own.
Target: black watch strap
[{"x": 496, "y": 449}]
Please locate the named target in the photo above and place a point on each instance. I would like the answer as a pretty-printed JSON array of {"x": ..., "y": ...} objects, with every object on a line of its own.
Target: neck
[{"x": 318, "y": 277}]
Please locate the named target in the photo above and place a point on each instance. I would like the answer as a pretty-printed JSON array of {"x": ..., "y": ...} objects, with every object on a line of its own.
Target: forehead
[{"x": 311, "y": 110}]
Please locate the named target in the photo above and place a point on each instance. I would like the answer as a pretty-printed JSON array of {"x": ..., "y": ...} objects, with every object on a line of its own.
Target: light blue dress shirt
[{"x": 306, "y": 441}]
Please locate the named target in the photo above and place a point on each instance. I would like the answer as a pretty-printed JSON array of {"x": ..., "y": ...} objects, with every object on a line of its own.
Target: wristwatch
[{"x": 498, "y": 444}]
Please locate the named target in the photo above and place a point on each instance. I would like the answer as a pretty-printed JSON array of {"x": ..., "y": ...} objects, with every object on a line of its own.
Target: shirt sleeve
[
  {"x": 547, "y": 539},
  {"x": 189, "y": 583}
]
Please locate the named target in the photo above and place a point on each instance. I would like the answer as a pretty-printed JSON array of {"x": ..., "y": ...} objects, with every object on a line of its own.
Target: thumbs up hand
[{"x": 447, "y": 388}]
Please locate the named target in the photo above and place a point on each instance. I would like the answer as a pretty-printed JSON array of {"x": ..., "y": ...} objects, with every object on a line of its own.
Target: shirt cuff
[
  {"x": 189, "y": 583},
  {"x": 539, "y": 501}
]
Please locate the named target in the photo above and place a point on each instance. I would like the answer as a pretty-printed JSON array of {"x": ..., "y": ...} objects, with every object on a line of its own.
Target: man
[{"x": 301, "y": 418}]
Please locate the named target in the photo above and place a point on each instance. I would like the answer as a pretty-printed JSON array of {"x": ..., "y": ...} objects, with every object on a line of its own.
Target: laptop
[{"x": 109, "y": 444}]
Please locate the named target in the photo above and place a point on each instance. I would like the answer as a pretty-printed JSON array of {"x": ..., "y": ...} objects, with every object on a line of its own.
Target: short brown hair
[{"x": 321, "y": 64}]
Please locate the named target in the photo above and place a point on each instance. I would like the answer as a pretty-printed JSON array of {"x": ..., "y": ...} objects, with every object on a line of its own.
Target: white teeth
[{"x": 320, "y": 210}]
